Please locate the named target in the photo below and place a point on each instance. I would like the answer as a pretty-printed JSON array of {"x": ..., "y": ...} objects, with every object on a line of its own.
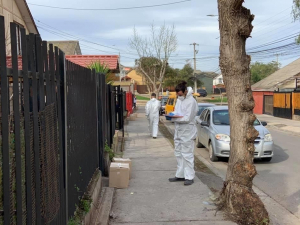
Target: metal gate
[
  {"x": 268, "y": 105},
  {"x": 283, "y": 105}
]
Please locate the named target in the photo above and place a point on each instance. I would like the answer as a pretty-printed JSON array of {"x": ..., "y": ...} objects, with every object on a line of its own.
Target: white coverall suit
[
  {"x": 185, "y": 135},
  {"x": 152, "y": 113}
]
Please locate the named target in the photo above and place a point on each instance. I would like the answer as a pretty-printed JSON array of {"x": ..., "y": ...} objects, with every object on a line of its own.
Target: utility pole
[
  {"x": 120, "y": 67},
  {"x": 195, "y": 82}
]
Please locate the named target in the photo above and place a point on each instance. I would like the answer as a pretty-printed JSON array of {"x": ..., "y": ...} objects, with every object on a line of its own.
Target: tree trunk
[{"x": 237, "y": 195}]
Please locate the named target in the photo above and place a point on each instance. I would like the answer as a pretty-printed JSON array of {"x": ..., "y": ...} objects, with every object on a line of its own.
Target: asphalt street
[{"x": 279, "y": 178}]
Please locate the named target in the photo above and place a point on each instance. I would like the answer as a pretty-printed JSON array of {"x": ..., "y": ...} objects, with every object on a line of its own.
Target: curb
[{"x": 279, "y": 215}]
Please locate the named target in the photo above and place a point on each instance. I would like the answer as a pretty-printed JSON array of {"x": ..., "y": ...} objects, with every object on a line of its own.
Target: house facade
[
  {"x": 218, "y": 80},
  {"x": 279, "y": 93},
  {"x": 207, "y": 79},
  {"x": 17, "y": 11}
]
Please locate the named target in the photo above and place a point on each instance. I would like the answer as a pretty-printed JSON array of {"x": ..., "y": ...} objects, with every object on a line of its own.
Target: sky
[{"x": 108, "y": 32}]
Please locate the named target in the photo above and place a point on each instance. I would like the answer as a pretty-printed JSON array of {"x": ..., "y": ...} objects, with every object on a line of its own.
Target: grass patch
[
  {"x": 141, "y": 98},
  {"x": 216, "y": 100}
]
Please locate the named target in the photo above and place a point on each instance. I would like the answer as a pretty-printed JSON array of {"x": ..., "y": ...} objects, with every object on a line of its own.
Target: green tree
[
  {"x": 173, "y": 76},
  {"x": 296, "y": 14},
  {"x": 260, "y": 70}
]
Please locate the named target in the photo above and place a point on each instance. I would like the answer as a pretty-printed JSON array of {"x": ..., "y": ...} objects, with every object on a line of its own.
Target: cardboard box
[
  {"x": 121, "y": 160},
  {"x": 119, "y": 175}
]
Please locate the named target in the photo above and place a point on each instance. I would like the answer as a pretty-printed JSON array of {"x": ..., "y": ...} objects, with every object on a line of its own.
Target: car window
[
  {"x": 201, "y": 109},
  {"x": 202, "y": 116},
  {"x": 221, "y": 117},
  {"x": 171, "y": 101},
  {"x": 163, "y": 102},
  {"x": 207, "y": 117}
]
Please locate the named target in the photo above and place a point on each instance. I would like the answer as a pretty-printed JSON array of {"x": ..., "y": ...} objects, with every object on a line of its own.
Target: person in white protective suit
[
  {"x": 152, "y": 113},
  {"x": 185, "y": 134}
]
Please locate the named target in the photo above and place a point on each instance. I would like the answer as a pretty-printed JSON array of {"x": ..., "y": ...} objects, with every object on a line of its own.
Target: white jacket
[
  {"x": 152, "y": 108},
  {"x": 185, "y": 127}
]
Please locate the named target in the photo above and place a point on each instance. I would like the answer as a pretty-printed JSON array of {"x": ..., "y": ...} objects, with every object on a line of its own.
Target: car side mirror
[
  {"x": 204, "y": 124},
  {"x": 264, "y": 123}
]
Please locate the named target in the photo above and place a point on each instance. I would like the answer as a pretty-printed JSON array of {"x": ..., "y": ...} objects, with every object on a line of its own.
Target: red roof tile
[{"x": 112, "y": 61}]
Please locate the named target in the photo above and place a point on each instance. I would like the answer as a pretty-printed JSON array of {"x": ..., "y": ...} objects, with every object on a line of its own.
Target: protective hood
[{"x": 190, "y": 92}]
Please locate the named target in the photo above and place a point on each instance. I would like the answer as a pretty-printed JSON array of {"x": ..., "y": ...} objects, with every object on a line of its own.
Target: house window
[
  {"x": 18, "y": 32},
  {"x": 220, "y": 80}
]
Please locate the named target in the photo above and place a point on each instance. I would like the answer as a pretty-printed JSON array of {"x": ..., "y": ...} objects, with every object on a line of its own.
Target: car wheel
[
  {"x": 268, "y": 159},
  {"x": 199, "y": 145},
  {"x": 212, "y": 156}
]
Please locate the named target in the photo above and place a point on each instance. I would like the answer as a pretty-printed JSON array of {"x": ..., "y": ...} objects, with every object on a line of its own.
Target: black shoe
[
  {"x": 176, "y": 179},
  {"x": 154, "y": 137},
  {"x": 188, "y": 182}
]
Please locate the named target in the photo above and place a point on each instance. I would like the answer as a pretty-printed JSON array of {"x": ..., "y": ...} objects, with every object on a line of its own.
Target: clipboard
[{"x": 174, "y": 116}]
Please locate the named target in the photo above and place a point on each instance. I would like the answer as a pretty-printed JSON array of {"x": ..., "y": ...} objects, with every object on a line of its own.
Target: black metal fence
[{"x": 56, "y": 118}]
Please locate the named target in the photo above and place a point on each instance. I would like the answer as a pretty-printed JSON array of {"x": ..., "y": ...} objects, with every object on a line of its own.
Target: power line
[{"x": 110, "y": 9}]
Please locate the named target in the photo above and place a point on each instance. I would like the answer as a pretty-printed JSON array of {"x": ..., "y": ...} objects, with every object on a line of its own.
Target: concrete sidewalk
[
  {"x": 278, "y": 214},
  {"x": 151, "y": 198},
  {"x": 280, "y": 123}
]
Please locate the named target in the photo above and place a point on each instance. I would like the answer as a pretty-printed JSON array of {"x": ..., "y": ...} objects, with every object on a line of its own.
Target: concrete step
[{"x": 105, "y": 206}]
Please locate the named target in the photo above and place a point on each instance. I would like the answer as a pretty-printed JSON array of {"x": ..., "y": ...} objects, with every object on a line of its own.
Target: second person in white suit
[{"x": 152, "y": 113}]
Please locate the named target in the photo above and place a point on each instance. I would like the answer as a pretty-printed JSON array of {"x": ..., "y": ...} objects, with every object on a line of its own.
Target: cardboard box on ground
[{"x": 119, "y": 175}]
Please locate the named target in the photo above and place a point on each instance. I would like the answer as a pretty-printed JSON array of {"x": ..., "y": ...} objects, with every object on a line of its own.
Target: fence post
[
  {"x": 61, "y": 101},
  {"x": 16, "y": 121},
  {"x": 100, "y": 121},
  {"x": 27, "y": 127},
  {"x": 5, "y": 124},
  {"x": 36, "y": 143},
  {"x": 93, "y": 73}
]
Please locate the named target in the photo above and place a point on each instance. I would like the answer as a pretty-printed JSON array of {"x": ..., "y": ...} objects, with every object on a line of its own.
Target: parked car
[
  {"x": 202, "y": 106},
  {"x": 214, "y": 133},
  {"x": 202, "y": 92},
  {"x": 163, "y": 102}
]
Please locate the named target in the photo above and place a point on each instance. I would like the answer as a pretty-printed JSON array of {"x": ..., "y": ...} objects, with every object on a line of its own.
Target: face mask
[{"x": 181, "y": 98}]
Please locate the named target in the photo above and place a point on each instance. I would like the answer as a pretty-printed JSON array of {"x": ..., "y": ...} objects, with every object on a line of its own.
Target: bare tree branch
[{"x": 160, "y": 45}]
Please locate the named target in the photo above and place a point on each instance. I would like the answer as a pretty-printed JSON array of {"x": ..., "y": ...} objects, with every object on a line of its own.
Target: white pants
[
  {"x": 153, "y": 126},
  {"x": 184, "y": 141}
]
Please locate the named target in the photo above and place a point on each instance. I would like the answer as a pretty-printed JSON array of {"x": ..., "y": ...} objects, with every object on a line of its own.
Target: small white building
[{"x": 218, "y": 80}]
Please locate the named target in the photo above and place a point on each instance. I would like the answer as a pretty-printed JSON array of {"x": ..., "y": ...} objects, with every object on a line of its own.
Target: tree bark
[{"x": 237, "y": 196}]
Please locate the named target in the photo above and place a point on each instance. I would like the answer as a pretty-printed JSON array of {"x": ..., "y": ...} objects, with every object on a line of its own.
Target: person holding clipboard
[{"x": 185, "y": 133}]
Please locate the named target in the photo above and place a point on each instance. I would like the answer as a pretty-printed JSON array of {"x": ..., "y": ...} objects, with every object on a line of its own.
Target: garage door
[{"x": 268, "y": 104}]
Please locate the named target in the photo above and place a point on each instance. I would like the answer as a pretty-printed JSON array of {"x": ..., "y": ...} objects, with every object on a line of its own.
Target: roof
[
  {"x": 284, "y": 77},
  {"x": 112, "y": 61},
  {"x": 27, "y": 16},
  {"x": 68, "y": 47}
]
